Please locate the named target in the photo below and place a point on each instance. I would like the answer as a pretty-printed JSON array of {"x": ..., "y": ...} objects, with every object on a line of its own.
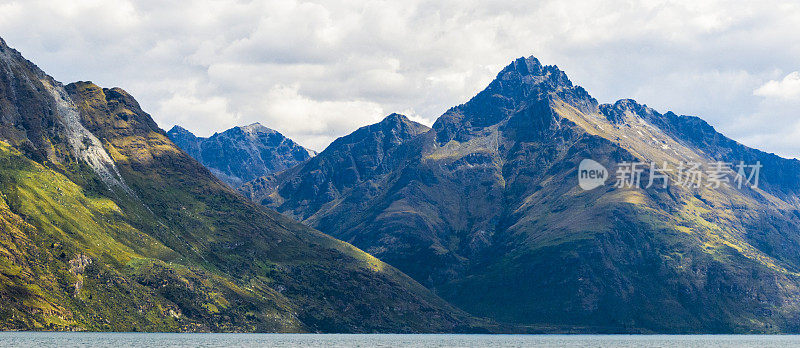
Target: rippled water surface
[{"x": 119, "y": 340}]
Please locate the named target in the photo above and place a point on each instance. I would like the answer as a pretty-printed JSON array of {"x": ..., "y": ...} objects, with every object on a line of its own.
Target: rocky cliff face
[
  {"x": 486, "y": 210},
  {"x": 241, "y": 154},
  {"x": 105, "y": 224},
  {"x": 38, "y": 117}
]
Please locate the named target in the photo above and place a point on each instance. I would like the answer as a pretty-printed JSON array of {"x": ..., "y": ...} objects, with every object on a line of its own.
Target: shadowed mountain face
[
  {"x": 105, "y": 224},
  {"x": 241, "y": 154},
  {"x": 485, "y": 209},
  {"x": 365, "y": 156}
]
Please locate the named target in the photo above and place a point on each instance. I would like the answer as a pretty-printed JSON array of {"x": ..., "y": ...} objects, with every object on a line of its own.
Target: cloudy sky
[{"x": 316, "y": 70}]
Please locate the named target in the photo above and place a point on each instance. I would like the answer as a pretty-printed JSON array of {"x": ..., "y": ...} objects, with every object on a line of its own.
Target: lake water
[{"x": 155, "y": 340}]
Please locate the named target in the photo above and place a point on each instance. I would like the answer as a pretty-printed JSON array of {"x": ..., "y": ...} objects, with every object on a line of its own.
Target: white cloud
[
  {"x": 193, "y": 112},
  {"x": 319, "y": 69},
  {"x": 788, "y": 88},
  {"x": 318, "y": 122}
]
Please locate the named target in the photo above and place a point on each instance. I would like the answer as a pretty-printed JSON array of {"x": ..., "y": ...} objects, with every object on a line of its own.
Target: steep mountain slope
[
  {"x": 243, "y": 153},
  {"x": 348, "y": 163},
  {"x": 486, "y": 210},
  {"x": 107, "y": 225}
]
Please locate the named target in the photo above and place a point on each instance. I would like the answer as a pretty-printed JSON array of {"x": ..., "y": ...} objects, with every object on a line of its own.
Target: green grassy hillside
[{"x": 72, "y": 260}]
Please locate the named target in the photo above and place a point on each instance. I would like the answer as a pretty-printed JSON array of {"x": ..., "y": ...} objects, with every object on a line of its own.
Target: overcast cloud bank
[{"x": 316, "y": 70}]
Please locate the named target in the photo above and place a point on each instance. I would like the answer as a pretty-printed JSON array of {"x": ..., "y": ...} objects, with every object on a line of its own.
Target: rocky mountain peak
[
  {"x": 242, "y": 153},
  {"x": 40, "y": 117},
  {"x": 392, "y": 130},
  {"x": 530, "y": 72},
  {"x": 616, "y": 113},
  {"x": 523, "y": 84},
  {"x": 178, "y": 130},
  {"x": 185, "y": 140},
  {"x": 395, "y": 118},
  {"x": 256, "y": 128},
  {"x": 367, "y": 154},
  {"x": 525, "y": 66},
  {"x": 126, "y": 116},
  {"x": 402, "y": 123}
]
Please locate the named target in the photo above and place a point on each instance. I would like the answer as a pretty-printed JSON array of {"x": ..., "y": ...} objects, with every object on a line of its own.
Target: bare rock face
[
  {"x": 77, "y": 266},
  {"x": 243, "y": 153},
  {"x": 39, "y": 116}
]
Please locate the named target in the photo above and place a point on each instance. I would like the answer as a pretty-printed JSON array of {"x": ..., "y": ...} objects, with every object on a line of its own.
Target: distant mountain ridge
[
  {"x": 485, "y": 209},
  {"x": 241, "y": 153}
]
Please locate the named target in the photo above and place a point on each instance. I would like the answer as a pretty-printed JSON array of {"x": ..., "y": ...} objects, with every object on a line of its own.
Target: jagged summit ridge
[
  {"x": 394, "y": 129},
  {"x": 525, "y": 84},
  {"x": 532, "y": 72},
  {"x": 395, "y": 117},
  {"x": 242, "y": 153},
  {"x": 178, "y": 129},
  {"x": 256, "y": 127}
]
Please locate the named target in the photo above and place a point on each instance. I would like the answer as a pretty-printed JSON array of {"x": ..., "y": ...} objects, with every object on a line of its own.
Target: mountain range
[
  {"x": 484, "y": 209},
  {"x": 476, "y": 224},
  {"x": 106, "y": 225},
  {"x": 241, "y": 154}
]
